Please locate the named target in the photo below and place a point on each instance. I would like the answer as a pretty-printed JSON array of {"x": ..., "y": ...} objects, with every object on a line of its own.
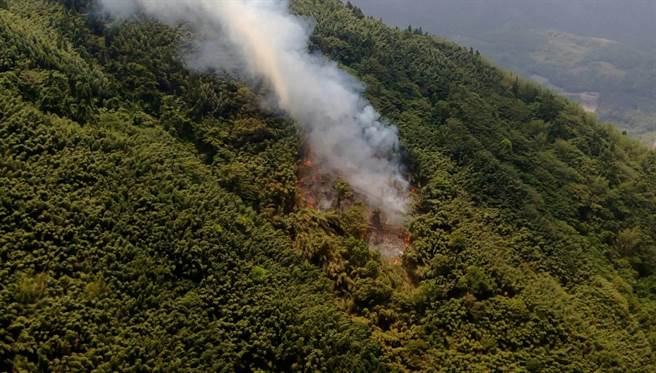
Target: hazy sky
[{"x": 629, "y": 21}]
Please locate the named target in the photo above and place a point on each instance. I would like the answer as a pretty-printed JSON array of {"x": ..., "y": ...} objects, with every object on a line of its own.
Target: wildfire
[
  {"x": 407, "y": 239},
  {"x": 413, "y": 189},
  {"x": 309, "y": 201},
  {"x": 308, "y": 163}
]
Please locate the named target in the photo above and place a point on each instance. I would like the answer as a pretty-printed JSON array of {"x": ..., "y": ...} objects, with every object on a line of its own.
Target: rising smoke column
[{"x": 262, "y": 40}]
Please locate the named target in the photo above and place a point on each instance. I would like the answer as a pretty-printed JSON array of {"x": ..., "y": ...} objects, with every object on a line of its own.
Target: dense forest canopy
[{"x": 150, "y": 218}]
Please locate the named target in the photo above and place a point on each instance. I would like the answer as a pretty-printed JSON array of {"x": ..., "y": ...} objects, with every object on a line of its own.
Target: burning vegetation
[{"x": 323, "y": 191}]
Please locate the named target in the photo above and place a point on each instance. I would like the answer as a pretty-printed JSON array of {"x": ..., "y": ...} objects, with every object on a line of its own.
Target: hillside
[
  {"x": 598, "y": 52},
  {"x": 618, "y": 79},
  {"x": 151, "y": 216}
]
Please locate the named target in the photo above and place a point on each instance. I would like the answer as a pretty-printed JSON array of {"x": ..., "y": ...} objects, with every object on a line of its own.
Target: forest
[{"x": 150, "y": 217}]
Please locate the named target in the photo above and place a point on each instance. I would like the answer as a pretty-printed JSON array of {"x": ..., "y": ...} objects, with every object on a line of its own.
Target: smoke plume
[{"x": 263, "y": 41}]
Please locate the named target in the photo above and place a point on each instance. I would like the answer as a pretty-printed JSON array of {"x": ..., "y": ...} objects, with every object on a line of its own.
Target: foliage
[
  {"x": 518, "y": 188},
  {"x": 149, "y": 216}
]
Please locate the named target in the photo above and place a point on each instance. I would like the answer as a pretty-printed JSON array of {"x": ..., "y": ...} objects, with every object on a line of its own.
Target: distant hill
[
  {"x": 600, "y": 47},
  {"x": 630, "y": 22},
  {"x": 621, "y": 78},
  {"x": 151, "y": 217}
]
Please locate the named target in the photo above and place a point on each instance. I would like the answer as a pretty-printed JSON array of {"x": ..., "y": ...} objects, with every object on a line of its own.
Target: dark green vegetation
[{"x": 148, "y": 217}]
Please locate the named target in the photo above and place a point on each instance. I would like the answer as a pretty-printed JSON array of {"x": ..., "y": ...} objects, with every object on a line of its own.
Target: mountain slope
[
  {"x": 150, "y": 218},
  {"x": 119, "y": 247},
  {"x": 618, "y": 77},
  {"x": 599, "y": 52},
  {"x": 517, "y": 184}
]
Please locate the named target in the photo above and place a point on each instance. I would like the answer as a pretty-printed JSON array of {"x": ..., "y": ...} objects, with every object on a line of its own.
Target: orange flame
[
  {"x": 309, "y": 201},
  {"x": 407, "y": 239},
  {"x": 413, "y": 189},
  {"x": 308, "y": 163}
]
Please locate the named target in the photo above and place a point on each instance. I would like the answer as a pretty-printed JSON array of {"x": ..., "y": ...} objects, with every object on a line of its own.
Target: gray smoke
[{"x": 345, "y": 133}]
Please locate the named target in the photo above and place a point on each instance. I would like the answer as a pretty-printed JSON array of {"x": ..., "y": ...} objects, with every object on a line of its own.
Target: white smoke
[{"x": 343, "y": 130}]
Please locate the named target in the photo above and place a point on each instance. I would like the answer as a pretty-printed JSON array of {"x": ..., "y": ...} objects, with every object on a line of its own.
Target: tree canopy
[{"x": 150, "y": 219}]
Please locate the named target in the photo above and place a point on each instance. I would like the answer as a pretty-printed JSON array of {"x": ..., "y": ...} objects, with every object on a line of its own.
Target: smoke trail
[{"x": 343, "y": 130}]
